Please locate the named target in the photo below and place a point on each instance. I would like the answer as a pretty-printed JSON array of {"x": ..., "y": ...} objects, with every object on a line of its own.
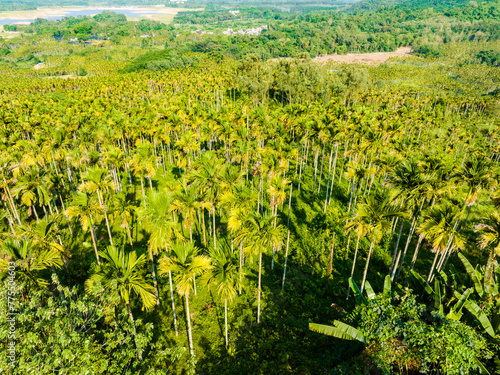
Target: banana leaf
[
  {"x": 339, "y": 330},
  {"x": 474, "y": 275},
  {"x": 480, "y": 366},
  {"x": 369, "y": 291},
  {"x": 456, "y": 312},
  {"x": 357, "y": 292},
  {"x": 420, "y": 282},
  {"x": 387, "y": 285},
  {"x": 479, "y": 314}
]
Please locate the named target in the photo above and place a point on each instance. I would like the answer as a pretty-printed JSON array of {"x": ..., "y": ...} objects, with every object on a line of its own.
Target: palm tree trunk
[
  {"x": 225, "y": 319},
  {"x": 142, "y": 187},
  {"x": 394, "y": 224},
  {"x": 129, "y": 235},
  {"x": 64, "y": 210},
  {"x": 11, "y": 201},
  {"x": 203, "y": 226},
  {"x": 33, "y": 208},
  {"x": 443, "y": 260},
  {"x": 353, "y": 265},
  {"x": 10, "y": 221},
  {"x": 356, "y": 192},
  {"x": 489, "y": 270},
  {"x": 286, "y": 259},
  {"x": 315, "y": 168},
  {"x": 94, "y": 242},
  {"x": 415, "y": 254},
  {"x": 272, "y": 258},
  {"x": 328, "y": 180},
  {"x": 330, "y": 261},
  {"x": 351, "y": 195},
  {"x": 172, "y": 297},
  {"x": 188, "y": 318},
  {"x": 155, "y": 283},
  {"x": 213, "y": 216},
  {"x": 347, "y": 246},
  {"x": 396, "y": 246},
  {"x": 333, "y": 173},
  {"x": 105, "y": 217},
  {"x": 259, "y": 289},
  {"x": 321, "y": 168},
  {"x": 241, "y": 265},
  {"x": 297, "y": 158},
  {"x": 372, "y": 245},
  {"x": 433, "y": 265},
  {"x": 397, "y": 264},
  {"x": 408, "y": 240},
  {"x": 300, "y": 169},
  {"x": 139, "y": 354},
  {"x": 467, "y": 217}
]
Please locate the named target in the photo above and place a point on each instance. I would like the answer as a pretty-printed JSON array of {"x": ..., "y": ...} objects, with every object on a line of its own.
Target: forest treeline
[
  {"x": 288, "y": 33},
  {"x": 365, "y": 30}
]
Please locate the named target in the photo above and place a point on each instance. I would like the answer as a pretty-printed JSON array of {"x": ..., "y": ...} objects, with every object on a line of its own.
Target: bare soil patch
[{"x": 364, "y": 58}]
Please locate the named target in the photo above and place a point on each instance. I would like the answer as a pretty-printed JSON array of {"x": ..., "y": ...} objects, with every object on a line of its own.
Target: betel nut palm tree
[
  {"x": 185, "y": 264},
  {"x": 121, "y": 274}
]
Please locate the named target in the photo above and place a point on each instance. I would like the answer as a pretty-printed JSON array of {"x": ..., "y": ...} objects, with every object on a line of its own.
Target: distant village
[{"x": 252, "y": 31}]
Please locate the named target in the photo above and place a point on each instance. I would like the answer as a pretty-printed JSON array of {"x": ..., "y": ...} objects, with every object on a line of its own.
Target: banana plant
[
  {"x": 486, "y": 288},
  {"x": 460, "y": 298},
  {"x": 345, "y": 331},
  {"x": 438, "y": 293}
]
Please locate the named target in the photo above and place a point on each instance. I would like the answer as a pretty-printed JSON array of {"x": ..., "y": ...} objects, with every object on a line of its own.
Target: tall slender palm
[
  {"x": 360, "y": 229},
  {"x": 477, "y": 174},
  {"x": 260, "y": 235},
  {"x": 55, "y": 186},
  {"x": 121, "y": 274},
  {"x": 439, "y": 228},
  {"x": 206, "y": 178},
  {"x": 87, "y": 211},
  {"x": 29, "y": 260},
  {"x": 157, "y": 219},
  {"x": 376, "y": 213},
  {"x": 225, "y": 275},
  {"x": 31, "y": 190},
  {"x": 98, "y": 181},
  {"x": 143, "y": 163},
  {"x": 355, "y": 172},
  {"x": 410, "y": 184},
  {"x": 240, "y": 202},
  {"x": 186, "y": 203},
  {"x": 44, "y": 236},
  {"x": 489, "y": 238},
  {"x": 185, "y": 263},
  {"x": 123, "y": 209}
]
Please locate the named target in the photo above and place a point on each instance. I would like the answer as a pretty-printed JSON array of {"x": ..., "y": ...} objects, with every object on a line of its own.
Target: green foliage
[
  {"x": 339, "y": 330},
  {"x": 162, "y": 60},
  {"x": 428, "y": 50},
  {"x": 78, "y": 332},
  {"x": 489, "y": 57},
  {"x": 297, "y": 80},
  {"x": 397, "y": 335}
]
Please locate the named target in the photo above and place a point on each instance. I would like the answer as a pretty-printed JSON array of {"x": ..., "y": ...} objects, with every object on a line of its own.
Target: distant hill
[{"x": 416, "y": 4}]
